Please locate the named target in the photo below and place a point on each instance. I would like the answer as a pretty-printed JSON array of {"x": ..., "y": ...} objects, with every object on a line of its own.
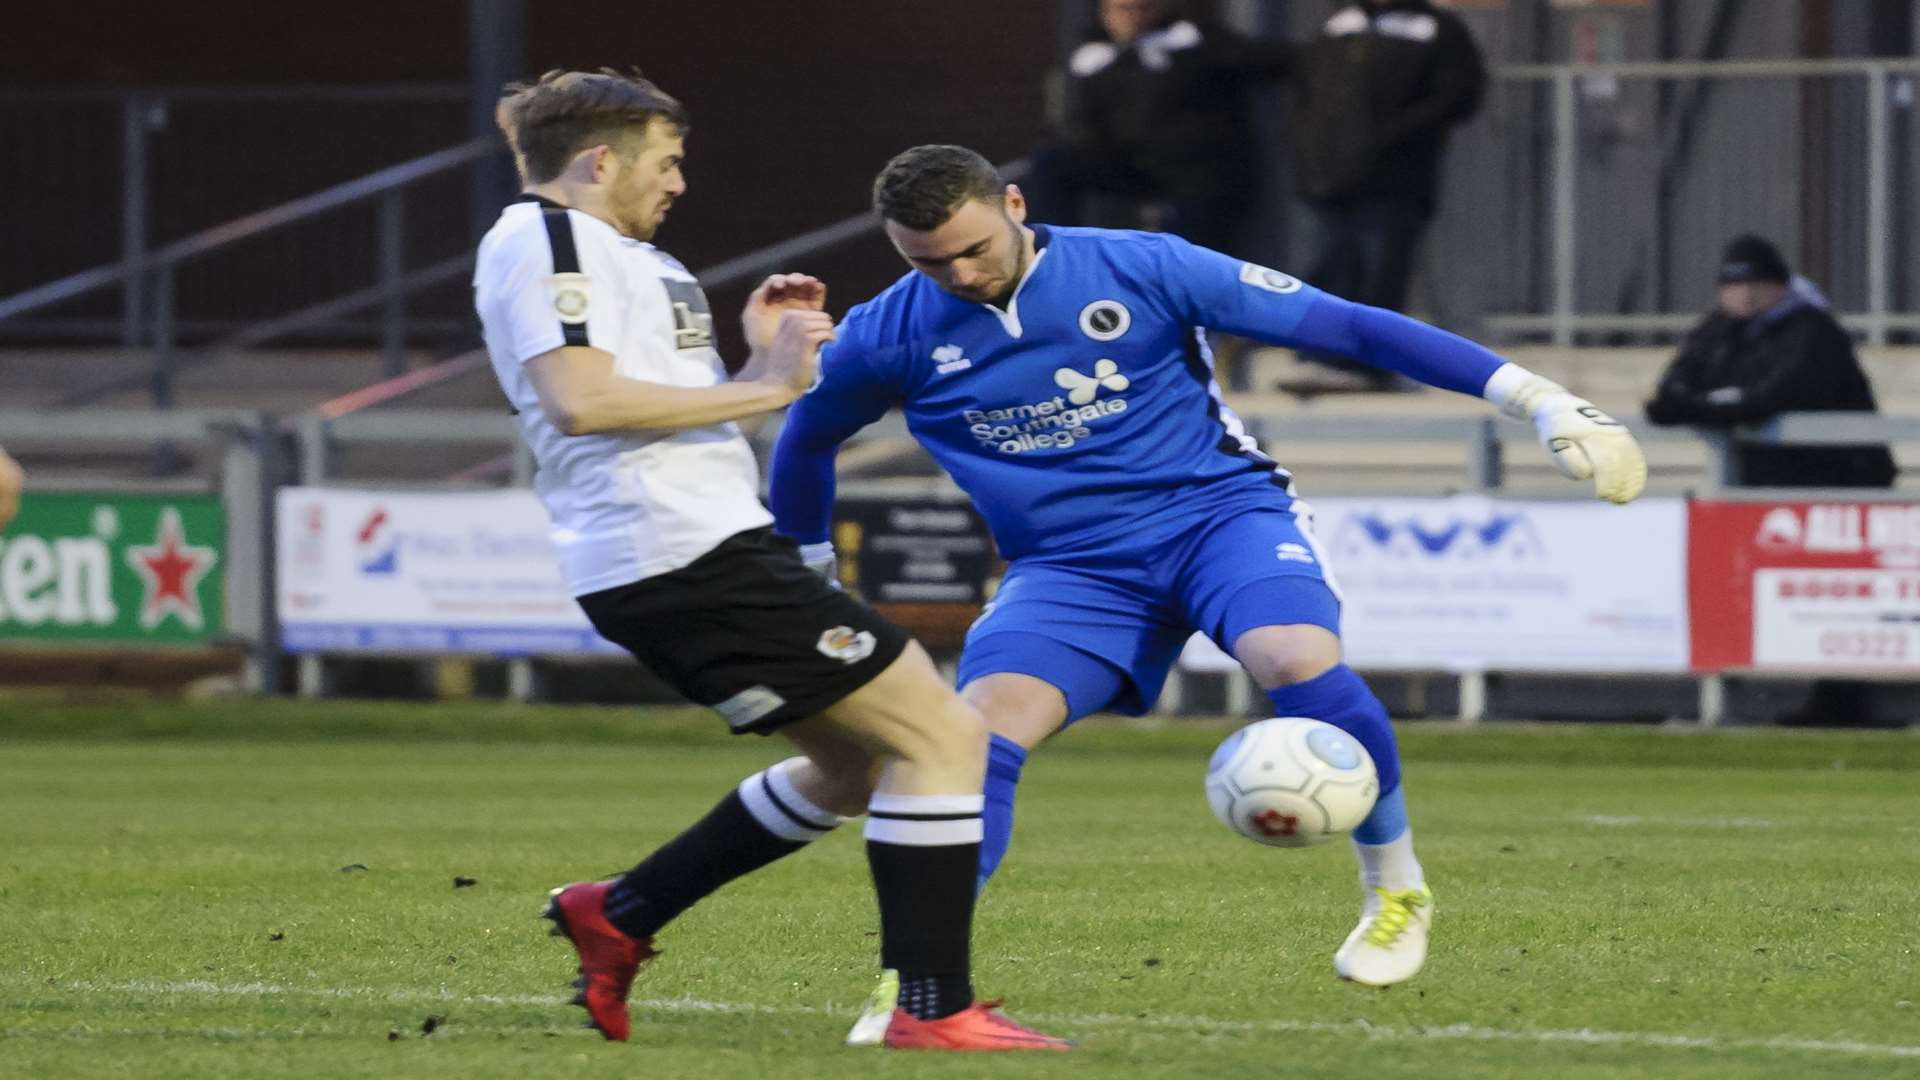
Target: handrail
[
  {"x": 399, "y": 386},
  {"x": 375, "y": 93},
  {"x": 240, "y": 228},
  {"x": 826, "y": 236},
  {"x": 262, "y": 332},
  {"x": 1710, "y": 69}
]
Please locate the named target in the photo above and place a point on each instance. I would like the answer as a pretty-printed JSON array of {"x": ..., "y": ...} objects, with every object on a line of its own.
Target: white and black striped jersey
[{"x": 631, "y": 505}]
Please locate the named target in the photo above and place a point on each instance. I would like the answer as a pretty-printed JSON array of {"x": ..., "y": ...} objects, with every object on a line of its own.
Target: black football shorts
[{"x": 748, "y": 631}]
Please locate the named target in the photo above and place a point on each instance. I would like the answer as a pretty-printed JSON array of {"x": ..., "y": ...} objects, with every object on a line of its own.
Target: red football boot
[
  {"x": 608, "y": 957},
  {"x": 980, "y": 1026}
]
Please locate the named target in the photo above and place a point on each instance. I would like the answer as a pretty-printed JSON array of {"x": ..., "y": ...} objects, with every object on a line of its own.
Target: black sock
[
  {"x": 759, "y": 822},
  {"x": 925, "y": 854}
]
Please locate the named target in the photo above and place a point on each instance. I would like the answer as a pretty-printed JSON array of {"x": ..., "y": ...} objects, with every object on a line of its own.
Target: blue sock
[
  {"x": 1005, "y": 759},
  {"x": 1341, "y": 698}
]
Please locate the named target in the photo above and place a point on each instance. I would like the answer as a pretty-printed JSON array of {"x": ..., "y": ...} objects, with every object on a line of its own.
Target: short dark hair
[
  {"x": 922, "y": 187},
  {"x": 551, "y": 119}
]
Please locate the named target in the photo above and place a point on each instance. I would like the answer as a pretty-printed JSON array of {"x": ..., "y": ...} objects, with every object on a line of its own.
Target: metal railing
[
  {"x": 393, "y": 282},
  {"x": 253, "y": 466},
  {"x": 1591, "y": 201},
  {"x": 181, "y": 160},
  {"x": 1586, "y": 203}
]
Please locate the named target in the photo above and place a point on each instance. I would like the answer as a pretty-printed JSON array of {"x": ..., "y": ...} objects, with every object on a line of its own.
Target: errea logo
[
  {"x": 1058, "y": 422},
  {"x": 948, "y": 359}
]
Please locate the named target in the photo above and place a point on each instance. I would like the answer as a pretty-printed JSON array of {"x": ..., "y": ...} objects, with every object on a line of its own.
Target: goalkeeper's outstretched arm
[{"x": 1586, "y": 444}]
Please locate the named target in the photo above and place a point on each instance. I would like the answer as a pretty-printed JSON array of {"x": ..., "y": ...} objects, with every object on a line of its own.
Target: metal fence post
[
  {"x": 133, "y": 216},
  {"x": 524, "y": 681},
  {"x": 1473, "y": 697},
  {"x": 393, "y": 323},
  {"x": 1713, "y": 699},
  {"x": 1879, "y": 201},
  {"x": 267, "y": 656},
  {"x": 163, "y": 335},
  {"x": 240, "y": 478},
  {"x": 1485, "y": 456},
  {"x": 1565, "y": 160},
  {"x": 1723, "y": 459},
  {"x": 315, "y": 436}
]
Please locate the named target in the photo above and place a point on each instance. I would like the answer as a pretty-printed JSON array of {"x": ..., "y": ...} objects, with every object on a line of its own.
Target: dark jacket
[
  {"x": 1792, "y": 358},
  {"x": 1375, "y": 93},
  {"x": 1167, "y": 116}
]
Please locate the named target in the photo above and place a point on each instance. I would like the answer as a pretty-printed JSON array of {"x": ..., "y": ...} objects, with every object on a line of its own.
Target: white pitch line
[
  {"x": 1619, "y": 820},
  {"x": 1207, "y": 1024}
]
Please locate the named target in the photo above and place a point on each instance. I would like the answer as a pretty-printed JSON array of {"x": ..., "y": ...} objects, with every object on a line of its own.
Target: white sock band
[
  {"x": 925, "y": 820},
  {"x": 775, "y": 803}
]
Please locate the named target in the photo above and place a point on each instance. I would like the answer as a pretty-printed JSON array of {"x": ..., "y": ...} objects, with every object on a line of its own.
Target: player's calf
[
  {"x": 923, "y": 845},
  {"x": 612, "y": 924}
]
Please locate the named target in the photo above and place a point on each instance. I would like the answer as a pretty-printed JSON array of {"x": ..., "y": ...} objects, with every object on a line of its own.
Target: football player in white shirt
[{"x": 604, "y": 346}]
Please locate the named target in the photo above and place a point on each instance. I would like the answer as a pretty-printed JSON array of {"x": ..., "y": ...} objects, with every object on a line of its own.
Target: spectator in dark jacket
[
  {"x": 1158, "y": 123},
  {"x": 1770, "y": 347},
  {"x": 1375, "y": 96}
]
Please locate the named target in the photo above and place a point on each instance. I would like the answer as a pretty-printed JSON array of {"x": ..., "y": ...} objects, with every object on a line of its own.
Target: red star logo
[
  {"x": 1271, "y": 822},
  {"x": 171, "y": 570}
]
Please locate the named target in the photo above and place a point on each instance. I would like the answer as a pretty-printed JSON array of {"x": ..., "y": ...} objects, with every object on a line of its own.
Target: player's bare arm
[
  {"x": 10, "y": 480},
  {"x": 582, "y": 394}
]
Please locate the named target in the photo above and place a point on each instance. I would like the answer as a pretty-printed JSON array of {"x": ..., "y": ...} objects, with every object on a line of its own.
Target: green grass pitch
[{"x": 1611, "y": 903}]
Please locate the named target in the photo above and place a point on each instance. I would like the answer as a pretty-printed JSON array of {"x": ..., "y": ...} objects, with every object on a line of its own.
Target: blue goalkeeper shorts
[{"x": 1105, "y": 626}]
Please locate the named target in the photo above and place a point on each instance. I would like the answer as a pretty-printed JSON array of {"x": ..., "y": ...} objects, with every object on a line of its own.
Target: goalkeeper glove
[{"x": 1585, "y": 442}]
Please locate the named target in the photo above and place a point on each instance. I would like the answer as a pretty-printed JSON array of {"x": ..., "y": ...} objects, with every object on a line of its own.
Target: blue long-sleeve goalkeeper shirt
[{"x": 1087, "y": 408}]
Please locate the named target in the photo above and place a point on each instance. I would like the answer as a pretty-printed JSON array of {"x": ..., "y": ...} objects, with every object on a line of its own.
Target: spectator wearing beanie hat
[{"x": 1771, "y": 346}]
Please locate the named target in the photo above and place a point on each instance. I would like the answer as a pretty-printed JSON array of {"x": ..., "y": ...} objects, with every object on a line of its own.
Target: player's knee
[
  {"x": 1279, "y": 656},
  {"x": 1018, "y": 707},
  {"x": 846, "y": 791},
  {"x": 951, "y": 732},
  {"x": 840, "y": 781}
]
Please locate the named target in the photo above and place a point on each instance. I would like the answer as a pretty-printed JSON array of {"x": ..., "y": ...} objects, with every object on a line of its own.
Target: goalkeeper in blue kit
[{"x": 1062, "y": 377}]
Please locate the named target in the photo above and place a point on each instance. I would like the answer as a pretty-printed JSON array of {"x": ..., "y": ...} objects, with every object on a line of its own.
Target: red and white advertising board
[{"x": 1815, "y": 586}]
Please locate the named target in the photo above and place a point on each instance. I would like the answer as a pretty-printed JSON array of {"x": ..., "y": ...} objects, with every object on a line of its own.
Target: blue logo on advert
[
  {"x": 377, "y": 545},
  {"x": 1508, "y": 534}
]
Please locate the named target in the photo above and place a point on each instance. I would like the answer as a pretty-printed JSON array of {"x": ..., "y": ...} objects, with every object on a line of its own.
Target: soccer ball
[{"x": 1291, "y": 782}]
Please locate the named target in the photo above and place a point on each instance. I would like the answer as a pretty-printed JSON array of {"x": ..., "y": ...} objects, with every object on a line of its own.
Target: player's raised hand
[
  {"x": 793, "y": 355},
  {"x": 10, "y": 480},
  {"x": 1586, "y": 443},
  {"x": 781, "y": 292}
]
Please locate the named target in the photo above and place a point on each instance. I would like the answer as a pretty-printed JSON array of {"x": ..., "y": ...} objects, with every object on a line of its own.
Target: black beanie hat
[{"x": 1751, "y": 258}]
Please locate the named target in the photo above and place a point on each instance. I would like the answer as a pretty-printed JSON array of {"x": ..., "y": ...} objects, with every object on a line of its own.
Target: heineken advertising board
[{"x": 125, "y": 569}]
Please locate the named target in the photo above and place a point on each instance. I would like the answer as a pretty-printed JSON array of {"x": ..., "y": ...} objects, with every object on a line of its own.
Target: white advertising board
[
  {"x": 1836, "y": 618},
  {"x": 417, "y": 572},
  {"x": 1469, "y": 583}
]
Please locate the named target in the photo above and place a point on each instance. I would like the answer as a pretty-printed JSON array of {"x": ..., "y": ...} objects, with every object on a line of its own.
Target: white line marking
[
  {"x": 1207, "y": 1024},
  {"x": 1686, "y": 823}
]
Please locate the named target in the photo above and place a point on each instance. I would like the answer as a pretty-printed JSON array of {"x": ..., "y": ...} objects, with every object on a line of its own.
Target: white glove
[
  {"x": 821, "y": 560},
  {"x": 1585, "y": 442}
]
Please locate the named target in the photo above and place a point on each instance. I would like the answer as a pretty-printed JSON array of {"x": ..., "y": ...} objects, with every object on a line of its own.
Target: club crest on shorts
[
  {"x": 1104, "y": 320},
  {"x": 571, "y": 296},
  {"x": 845, "y": 644}
]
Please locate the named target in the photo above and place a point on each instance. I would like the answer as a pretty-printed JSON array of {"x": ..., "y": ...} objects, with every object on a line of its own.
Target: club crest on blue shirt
[
  {"x": 1104, "y": 320},
  {"x": 1084, "y": 388},
  {"x": 1271, "y": 280}
]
